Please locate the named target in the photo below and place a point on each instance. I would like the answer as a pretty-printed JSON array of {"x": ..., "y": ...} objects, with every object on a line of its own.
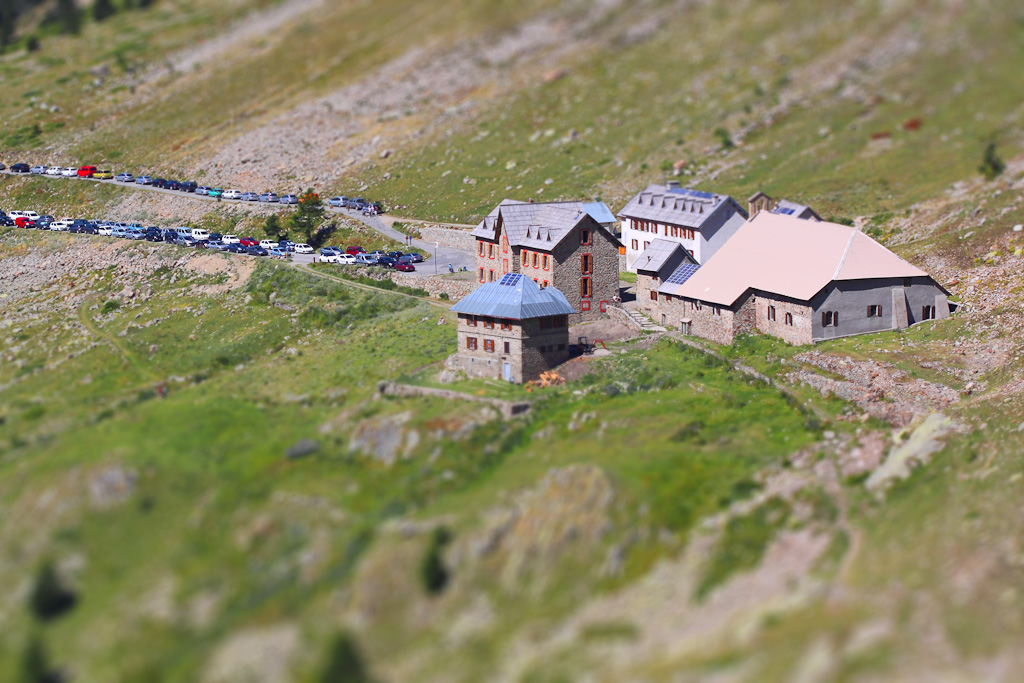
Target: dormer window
[{"x": 585, "y": 236}]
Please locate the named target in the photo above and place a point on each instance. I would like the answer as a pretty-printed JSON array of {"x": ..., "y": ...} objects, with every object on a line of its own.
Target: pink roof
[{"x": 791, "y": 257}]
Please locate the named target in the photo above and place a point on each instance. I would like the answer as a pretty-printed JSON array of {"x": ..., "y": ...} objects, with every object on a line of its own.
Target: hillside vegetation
[{"x": 200, "y": 480}]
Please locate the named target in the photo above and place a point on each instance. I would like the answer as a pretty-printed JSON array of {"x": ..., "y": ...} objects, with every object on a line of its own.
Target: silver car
[{"x": 289, "y": 199}]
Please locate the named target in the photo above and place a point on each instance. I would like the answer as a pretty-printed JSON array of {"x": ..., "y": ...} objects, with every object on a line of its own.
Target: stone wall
[
  {"x": 645, "y": 284},
  {"x": 507, "y": 408},
  {"x": 448, "y": 237},
  {"x": 455, "y": 289},
  {"x": 705, "y": 323},
  {"x": 525, "y": 356},
  {"x": 801, "y": 331}
]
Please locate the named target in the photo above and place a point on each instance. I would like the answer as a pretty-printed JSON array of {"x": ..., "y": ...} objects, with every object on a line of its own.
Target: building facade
[
  {"x": 699, "y": 222},
  {"x": 800, "y": 281},
  {"x": 567, "y": 245},
  {"x": 512, "y": 329}
]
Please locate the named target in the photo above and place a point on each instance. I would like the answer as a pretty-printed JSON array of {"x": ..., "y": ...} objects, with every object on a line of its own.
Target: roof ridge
[{"x": 842, "y": 259}]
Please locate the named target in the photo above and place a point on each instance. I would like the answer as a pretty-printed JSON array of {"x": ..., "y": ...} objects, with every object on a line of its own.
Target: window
[
  {"x": 585, "y": 290},
  {"x": 585, "y": 236},
  {"x": 471, "y": 343},
  {"x": 829, "y": 318},
  {"x": 646, "y": 244},
  {"x": 508, "y": 348},
  {"x": 526, "y": 259},
  {"x": 480, "y": 250},
  {"x": 481, "y": 275},
  {"x": 585, "y": 305},
  {"x": 489, "y": 345},
  {"x": 789, "y": 318},
  {"x": 928, "y": 313},
  {"x": 906, "y": 282},
  {"x": 490, "y": 275},
  {"x": 654, "y": 295},
  {"x": 504, "y": 244},
  {"x": 544, "y": 284},
  {"x": 874, "y": 311},
  {"x": 604, "y": 307},
  {"x": 771, "y": 313},
  {"x": 490, "y": 251},
  {"x": 534, "y": 259},
  {"x": 504, "y": 265},
  {"x": 586, "y": 264},
  {"x": 507, "y": 326},
  {"x": 489, "y": 323},
  {"x": 471, "y": 321},
  {"x": 544, "y": 261},
  {"x": 696, "y": 306},
  {"x": 716, "y": 310},
  {"x": 635, "y": 247}
]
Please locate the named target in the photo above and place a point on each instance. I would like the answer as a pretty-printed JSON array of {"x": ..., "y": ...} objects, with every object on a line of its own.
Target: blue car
[
  {"x": 235, "y": 248},
  {"x": 256, "y": 251},
  {"x": 330, "y": 251},
  {"x": 279, "y": 252}
]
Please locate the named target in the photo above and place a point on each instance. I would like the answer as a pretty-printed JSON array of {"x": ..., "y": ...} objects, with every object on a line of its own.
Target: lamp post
[{"x": 435, "y": 258}]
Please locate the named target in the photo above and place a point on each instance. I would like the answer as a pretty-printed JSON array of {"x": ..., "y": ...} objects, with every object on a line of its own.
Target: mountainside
[{"x": 201, "y": 478}]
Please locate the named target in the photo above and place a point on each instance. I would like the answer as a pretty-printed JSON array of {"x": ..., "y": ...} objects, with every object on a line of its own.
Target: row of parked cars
[
  {"x": 89, "y": 171},
  {"x": 200, "y": 238}
]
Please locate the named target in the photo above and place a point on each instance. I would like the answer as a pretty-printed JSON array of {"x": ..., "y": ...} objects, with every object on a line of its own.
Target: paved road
[{"x": 441, "y": 257}]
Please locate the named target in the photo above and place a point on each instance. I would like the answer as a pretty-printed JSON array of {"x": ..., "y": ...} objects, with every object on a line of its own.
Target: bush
[
  {"x": 724, "y": 138},
  {"x": 344, "y": 662},
  {"x": 433, "y": 573},
  {"x": 991, "y": 165},
  {"x": 35, "y": 664},
  {"x": 111, "y": 305},
  {"x": 50, "y": 598}
]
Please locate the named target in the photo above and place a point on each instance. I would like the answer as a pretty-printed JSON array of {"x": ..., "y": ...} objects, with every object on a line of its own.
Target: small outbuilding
[{"x": 512, "y": 329}]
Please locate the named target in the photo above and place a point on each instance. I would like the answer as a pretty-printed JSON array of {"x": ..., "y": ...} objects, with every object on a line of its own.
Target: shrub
[
  {"x": 344, "y": 662},
  {"x": 743, "y": 543},
  {"x": 111, "y": 305},
  {"x": 35, "y": 664},
  {"x": 991, "y": 164},
  {"x": 433, "y": 573},
  {"x": 724, "y": 138},
  {"x": 50, "y": 598}
]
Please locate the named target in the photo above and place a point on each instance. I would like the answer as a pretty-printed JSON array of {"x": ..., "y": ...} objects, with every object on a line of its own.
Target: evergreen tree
[
  {"x": 102, "y": 9},
  {"x": 35, "y": 664},
  {"x": 433, "y": 573},
  {"x": 308, "y": 215},
  {"x": 991, "y": 164},
  {"x": 68, "y": 16},
  {"x": 344, "y": 662},
  {"x": 50, "y": 598},
  {"x": 272, "y": 227}
]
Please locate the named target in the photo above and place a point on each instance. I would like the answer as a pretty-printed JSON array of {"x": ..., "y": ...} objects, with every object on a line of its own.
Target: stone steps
[{"x": 644, "y": 322}]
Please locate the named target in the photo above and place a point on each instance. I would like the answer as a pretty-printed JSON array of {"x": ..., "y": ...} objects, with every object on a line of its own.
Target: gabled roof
[
  {"x": 514, "y": 297},
  {"x": 660, "y": 252},
  {"x": 541, "y": 226},
  {"x": 678, "y": 206},
  {"x": 790, "y": 257}
]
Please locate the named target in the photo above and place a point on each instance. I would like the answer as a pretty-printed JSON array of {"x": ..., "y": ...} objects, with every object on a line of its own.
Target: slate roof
[
  {"x": 514, "y": 297},
  {"x": 657, "y": 253},
  {"x": 678, "y": 206},
  {"x": 788, "y": 208},
  {"x": 790, "y": 257},
  {"x": 541, "y": 225}
]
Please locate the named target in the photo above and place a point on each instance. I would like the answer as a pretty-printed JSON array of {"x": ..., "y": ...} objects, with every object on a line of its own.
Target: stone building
[
  {"x": 762, "y": 202},
  {"x": 567, "y": 245},
  {"x": 512, "y": 329},
  {"x": 700, "y": 222},
  {"x": 662, "y": 257},
  {"x": 799, "y": 280}
]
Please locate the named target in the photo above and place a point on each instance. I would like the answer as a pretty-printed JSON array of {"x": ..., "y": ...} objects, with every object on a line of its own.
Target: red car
[
  {"x": 249, "y": 242},
  {"x": 404, "y": 267},
  {"x": 86, "y": 171},
  {"x": 355, "y": 251},
  {"x": 23, "y": 222}
]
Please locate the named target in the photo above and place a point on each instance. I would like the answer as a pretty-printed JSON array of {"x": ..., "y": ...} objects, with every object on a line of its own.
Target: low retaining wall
[
  {"x": 448, "y": 237},
  {"x": 507, "y": 408},
  {"x": 620, "y": 314},
  {"x": 455, "y": 289}
]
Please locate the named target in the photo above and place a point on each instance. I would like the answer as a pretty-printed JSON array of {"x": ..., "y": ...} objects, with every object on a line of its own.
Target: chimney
[
  {"x": 672, "y": 185},
  {"x": 759, "y": 202}
]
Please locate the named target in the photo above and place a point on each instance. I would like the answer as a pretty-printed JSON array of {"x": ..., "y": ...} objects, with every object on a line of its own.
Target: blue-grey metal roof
[
  {"x": 600, "y": 212},
  {"x": 542, "y": 225},
  {"x": 514, "y": 297}
]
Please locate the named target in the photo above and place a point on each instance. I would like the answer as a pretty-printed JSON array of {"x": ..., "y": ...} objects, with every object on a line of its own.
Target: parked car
[
  {"x": 269, "y": 197},
  {"x": 279, "y": 252},
  {"x": 102, "y": 175},
  {"x": 365, "y": 260},
  {"x": 256, "y": 251},
  {"x": 172, "y": 185},
  {"x": 347, "y": 260},
  {"x": 405, "y": 267},
  {"x": 303, "y": 249},
  {"x": 215, "y": 192},
  {"x": 288, "y": 199},
  {"x": 154, "y": 235},
  {"x": 125, "y": 178},
  {"x": 19, "y": 168},
  {"x": 396, "y": 254},
  {"x": 31, "y": 215},
  {"x": 230, "y": 239},
  {"x": 232, "y": 194},
  {"x": 234, "y": 248},
  {"x": 287, "y": 244},
  {"x": 248, "y": 242},
  {"x": 337, "y": 202},
  {"x": 415, "y": 257},
  {"x": 44, "y": 221},
  {"x": 23, "y": 222},
  {"x": 69, "y": 172},
  {"x": 37, "y": 170},
  {"x": 377, "y": 253},
  {"x": 186, "y": 240},
  {"x": 7, "y": 221},
  {"x": 386, "y": 261},
  {"x": 105, "y": 230},
  {"x": 188, "y": 186},
  {"x": 355, "y": 251},
  {"x": 202, "y": 189},
  {"x": 159, "y": 182},
  {"x": 144, "y": 180},
  {"x": 373, "y": 209},
  {"x": 330, "y": 251},
  {"x": 86, "y": 171},
  {"x": 249, "y": 197},
  {"x": 268, "y": 244}
]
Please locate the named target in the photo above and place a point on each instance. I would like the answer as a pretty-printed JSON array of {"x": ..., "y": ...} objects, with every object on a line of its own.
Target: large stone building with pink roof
[{"x": 802, "y": 281}]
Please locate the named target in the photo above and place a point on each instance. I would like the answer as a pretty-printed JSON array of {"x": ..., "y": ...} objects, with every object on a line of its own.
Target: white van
[
  {"x": 31, "y": 215},
  {"x": 183, "y": 230},
  {"x": 199, "y": 234},
  {"x": 61, "y": 225}
]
